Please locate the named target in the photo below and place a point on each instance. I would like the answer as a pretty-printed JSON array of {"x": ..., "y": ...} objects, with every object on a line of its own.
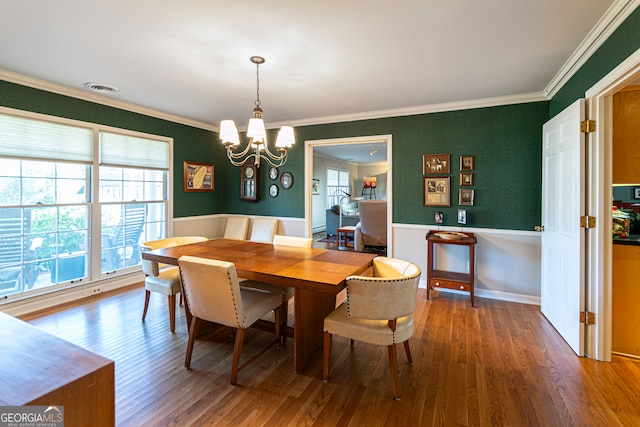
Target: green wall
[
  {"x": 505, "y": 140},
  {"x": 190, "y": 143},
  {"x": 624, "y": 41}
]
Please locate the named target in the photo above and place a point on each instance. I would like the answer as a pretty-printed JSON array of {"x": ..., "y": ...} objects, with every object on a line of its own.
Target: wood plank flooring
[{"x": 497, "y": 364}]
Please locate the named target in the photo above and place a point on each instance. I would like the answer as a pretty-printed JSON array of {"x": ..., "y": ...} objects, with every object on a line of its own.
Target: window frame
[{"x": 93, "y": 248}]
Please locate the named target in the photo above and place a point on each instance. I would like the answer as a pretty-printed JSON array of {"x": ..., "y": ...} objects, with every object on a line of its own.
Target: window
[
  {"x": 53, "y": 231},
  {"x": 133, "y": 204},
  {"x": 338, "y": 186}
]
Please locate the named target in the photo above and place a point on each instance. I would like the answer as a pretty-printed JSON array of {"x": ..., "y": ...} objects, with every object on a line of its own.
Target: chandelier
[{"x": 257, "y": 135}]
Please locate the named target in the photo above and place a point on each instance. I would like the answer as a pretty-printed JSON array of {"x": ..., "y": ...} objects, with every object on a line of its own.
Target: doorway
[
  {"x": 368, "y": 144},
  {"x": 599, "y": 182}
]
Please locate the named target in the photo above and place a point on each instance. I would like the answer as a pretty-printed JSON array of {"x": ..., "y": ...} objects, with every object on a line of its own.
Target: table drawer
[{"x": 449, "y": 284}]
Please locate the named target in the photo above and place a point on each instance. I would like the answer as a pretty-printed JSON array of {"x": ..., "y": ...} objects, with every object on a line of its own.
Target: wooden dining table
[{"x": 317, "y": 275}]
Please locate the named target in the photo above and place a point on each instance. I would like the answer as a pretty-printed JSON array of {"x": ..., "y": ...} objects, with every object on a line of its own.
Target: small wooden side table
[
  {"x": 449, "y": 279},
  {"x": 345, "y": 231}
]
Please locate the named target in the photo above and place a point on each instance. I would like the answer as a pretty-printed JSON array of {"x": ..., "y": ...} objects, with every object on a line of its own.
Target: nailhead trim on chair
[{"x": 235, "y": 307}]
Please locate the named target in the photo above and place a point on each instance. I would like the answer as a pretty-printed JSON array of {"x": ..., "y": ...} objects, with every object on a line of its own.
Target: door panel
[{"x": 563, "y": 161}]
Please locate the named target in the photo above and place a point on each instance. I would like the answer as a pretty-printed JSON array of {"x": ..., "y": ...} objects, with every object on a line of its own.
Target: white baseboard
[
  {"x": 497, "y": 295},
  {"x": 41, "y": 302}
]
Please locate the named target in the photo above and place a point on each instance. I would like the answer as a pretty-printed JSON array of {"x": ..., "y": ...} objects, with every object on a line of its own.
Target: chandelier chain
[{"x": 258, "y": 85}]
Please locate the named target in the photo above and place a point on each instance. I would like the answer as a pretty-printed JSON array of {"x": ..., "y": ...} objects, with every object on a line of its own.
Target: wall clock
[
  {"x": 273, "y": 190},
  {"x": 286, "y": 179},
  {"x": 273, "y": 173},
  {"x": 249, "y": 182}
]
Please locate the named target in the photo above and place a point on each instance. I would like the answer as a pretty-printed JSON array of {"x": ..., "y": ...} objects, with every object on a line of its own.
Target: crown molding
[
  {"x": 422, "y": 109},
  {"x": 84, "y": 95},
  {"x": 608, "y": 23}
]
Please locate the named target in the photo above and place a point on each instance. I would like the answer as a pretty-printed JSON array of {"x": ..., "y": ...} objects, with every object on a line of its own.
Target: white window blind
[
  {"x": 126, "y": 150},
  {"x": 39, "y": 139}
]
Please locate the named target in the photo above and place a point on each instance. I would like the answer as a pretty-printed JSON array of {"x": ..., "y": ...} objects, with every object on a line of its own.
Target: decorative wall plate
[
  {"x": 273, "y": 190},
  {"x": 286, "y": 179},
  {"x": 273, "y": 173}
]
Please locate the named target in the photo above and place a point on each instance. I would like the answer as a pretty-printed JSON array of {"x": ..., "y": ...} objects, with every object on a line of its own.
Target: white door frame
[
  {"x": 599, "y": 181},
  {"x": 308, "y": 167}
]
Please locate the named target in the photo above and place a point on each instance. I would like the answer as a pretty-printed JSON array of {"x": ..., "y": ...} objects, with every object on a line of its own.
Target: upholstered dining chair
[
  {"x": 213, "y": 294},
  {"x": 263, "y": 230},
  {"x": 378, "y": 310},
  {"x": 371, "y": 231},
  {"x": 286, "y": 292},
  {"x": 163, "y": 278},
  {"x": 236, "y": 228}
]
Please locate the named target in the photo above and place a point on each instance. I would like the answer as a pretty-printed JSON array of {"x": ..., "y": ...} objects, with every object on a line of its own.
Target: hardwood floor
[{"x": 496, "y": 364}]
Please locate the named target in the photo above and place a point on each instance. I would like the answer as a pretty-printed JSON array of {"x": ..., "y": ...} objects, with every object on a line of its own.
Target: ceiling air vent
[{"x": 101, "y": 87}]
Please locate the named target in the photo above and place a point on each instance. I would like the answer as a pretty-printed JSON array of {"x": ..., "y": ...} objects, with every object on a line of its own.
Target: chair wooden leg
[
  {"x": 284, "y": 317},
  {"x": 408, "y": 351},
  {"x": 193, "y": 330},
  {"x": 393, "y": 364},
  {"x": 277, "y": 320},
  {"x": 172, "y": 312},
  {"x": 327, "y": 356},
  {"x": 147, "y": 294},
  {"x": 237, "y": 348}
]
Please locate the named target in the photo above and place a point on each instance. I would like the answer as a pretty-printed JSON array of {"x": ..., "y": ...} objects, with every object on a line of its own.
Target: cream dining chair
[
  {"x": 163, "y": 278},
  {"x": 287, "y": 292},
  {"x": 263, "y": 230},
  {"x": 213, "y": 294},
  {"x": 236, "y": 228},
  {"x": 378, "y": 310}
]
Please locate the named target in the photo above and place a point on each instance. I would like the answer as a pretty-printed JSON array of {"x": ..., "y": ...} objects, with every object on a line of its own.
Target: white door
[{"x": 563, "y": 254}]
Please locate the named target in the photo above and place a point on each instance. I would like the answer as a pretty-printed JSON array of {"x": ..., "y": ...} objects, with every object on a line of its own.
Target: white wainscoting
[
  {"x": 507, "y": 261},
  {"x": 212, "y": 226}
]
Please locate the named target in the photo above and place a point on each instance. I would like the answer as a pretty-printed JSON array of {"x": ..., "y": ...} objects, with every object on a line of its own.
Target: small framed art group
[
  {"x": 466, "y": 195},
  {"x": 437, "y": 182},
  {"x": 437, "y": 189}
]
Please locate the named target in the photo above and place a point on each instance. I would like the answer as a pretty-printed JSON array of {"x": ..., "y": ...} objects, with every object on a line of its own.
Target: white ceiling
[{"x": 323, "y": 58}]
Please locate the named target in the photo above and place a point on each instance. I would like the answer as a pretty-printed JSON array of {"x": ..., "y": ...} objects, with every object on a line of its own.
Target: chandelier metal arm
[{"x": 238, "y": 159}]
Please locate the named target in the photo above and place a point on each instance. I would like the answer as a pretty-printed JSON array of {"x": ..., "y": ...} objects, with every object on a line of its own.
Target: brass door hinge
[
  {"x": 588, "y": 126},
  {"x": 539, "y": 228},
  {"x": 587, "y": 221},
  {"x": 587, "y": 318}
]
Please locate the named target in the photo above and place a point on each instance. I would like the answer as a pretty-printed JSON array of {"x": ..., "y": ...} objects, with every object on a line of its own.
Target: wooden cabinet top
[
  {"x": 35, "y": 362},
  {"x": 453, "y": 238}
]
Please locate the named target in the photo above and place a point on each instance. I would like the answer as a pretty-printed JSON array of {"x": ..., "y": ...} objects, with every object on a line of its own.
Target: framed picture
[
  {"x": 198, "y": 176},
  {"x": 436, "y": 164},
  {"x": 466, "y": 163},
  {"x": 436, "y": 191},
  {"x": 315, "y": 186},
  {"x": 462, "y": 216},
  {"x": 466, "y": 197},
  {"x": 466, "y": 179},
  {"x": 636, "y": 193},
  {"x": 438, "y": 217}
]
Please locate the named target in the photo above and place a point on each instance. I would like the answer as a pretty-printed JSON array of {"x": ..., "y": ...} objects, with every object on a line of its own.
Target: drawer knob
[
  {"x": 461, "y": 287},
  {"x": 437, "y": 283}
]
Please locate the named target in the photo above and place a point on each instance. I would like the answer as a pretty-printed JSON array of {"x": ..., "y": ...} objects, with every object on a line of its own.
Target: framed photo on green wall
[
  {"x": 436, "y": 164},
  {"x": 466, "y": 163},
  {"x": 437, "y": 190},
  {"x": 466, "y": 197}
]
